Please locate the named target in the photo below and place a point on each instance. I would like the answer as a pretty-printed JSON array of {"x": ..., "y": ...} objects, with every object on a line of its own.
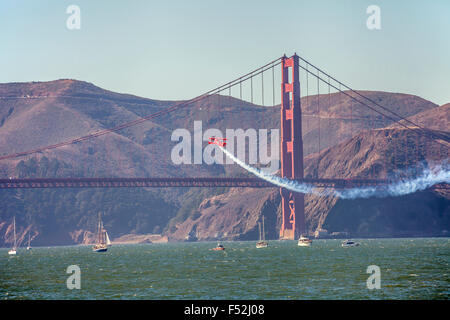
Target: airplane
[{"x": 219, "y": 141}]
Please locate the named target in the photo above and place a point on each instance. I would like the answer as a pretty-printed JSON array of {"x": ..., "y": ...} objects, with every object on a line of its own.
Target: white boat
[
  {"x": 103, "y": 241},
  {"x": 349, "y": 243},
  {"x": 262, "y": 243},
  {"x": 13, "y": 251},
  {"x": 219, "y": 247},
  {"x": 304, "y": 241}
]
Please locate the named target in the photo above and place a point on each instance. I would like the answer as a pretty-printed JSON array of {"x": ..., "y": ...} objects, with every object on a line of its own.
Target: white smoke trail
[
  {"x": 429, "y": 177},
  {"x": 281, "y": 182}
]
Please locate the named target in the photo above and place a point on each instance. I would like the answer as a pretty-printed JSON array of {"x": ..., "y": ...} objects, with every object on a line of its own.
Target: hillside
[
  {"x": 42, "y": 113},
  {"x": 234, "y": 215},
  {"x": 437, "y": 118}
]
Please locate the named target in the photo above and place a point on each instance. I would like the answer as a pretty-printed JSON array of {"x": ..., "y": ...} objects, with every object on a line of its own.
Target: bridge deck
[{"x": 180, "y": 182}]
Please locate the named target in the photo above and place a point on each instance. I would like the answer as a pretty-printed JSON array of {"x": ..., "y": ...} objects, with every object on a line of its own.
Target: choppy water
[{"x": 410, "y": 269}]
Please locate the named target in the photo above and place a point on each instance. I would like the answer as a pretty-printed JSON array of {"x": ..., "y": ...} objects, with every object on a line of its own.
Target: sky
[{"x": 172, "y": 50}]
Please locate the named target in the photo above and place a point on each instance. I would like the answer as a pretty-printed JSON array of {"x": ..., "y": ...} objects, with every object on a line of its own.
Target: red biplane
[{"x": 219, "y": 141}]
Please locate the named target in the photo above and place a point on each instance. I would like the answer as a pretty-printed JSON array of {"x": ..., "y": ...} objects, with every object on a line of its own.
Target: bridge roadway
[{"x": 252, "y": 182}]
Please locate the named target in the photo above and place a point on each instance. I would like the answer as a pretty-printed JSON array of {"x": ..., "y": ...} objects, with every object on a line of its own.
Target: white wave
[{"x": 428, "y": 178}]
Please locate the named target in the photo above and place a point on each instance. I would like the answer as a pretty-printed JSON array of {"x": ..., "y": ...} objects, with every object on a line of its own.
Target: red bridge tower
[{"x": 292, "y": 203}]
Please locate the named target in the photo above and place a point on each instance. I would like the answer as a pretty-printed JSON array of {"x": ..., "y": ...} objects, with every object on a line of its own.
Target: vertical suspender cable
[
  {"x": 251, "y": 89},
  {"x": 307, "y": 97},
  {"x": 318, "y": 118},
  {"x": 262, "y": 88},
  {"x": 273, "y": 86},
  {"x": 406, "y": 149},
  {"x": 351, "y": 120},
  {"x": 218, "y": 97},
  {"x": 417, "y": 153},
  {"x": 395, "y": 142},
  {"x": 240, "y": 89},
  {"x": 372, "y": 139},
  {"x": 329, "y": 104}
]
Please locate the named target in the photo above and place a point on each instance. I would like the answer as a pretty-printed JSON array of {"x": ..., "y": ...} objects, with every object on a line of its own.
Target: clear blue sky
[{"x": 179, "y": 49}]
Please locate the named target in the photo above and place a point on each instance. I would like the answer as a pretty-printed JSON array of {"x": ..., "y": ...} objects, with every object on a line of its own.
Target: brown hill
[
  {"x": 437, "y": 118},
  {"x": 42, "y": 113}
]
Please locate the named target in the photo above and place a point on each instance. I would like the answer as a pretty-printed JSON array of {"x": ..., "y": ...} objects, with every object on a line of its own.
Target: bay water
[{"x": 416, "y": 268}]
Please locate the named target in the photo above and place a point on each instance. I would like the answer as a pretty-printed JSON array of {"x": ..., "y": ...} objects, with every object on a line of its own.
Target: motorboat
[
  {"x": 349, "y": 243},
  {"x": 304, "y": 241},
  {"x": 219, "y": 247}
]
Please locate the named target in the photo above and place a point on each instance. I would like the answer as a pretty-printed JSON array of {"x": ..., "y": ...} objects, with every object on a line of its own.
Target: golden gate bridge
[{"x": 291, "y": 141}]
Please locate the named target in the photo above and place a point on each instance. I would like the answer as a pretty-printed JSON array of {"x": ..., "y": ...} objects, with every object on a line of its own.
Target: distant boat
[
  {"x": 304, "y": 241},
  {"x": 103, "y": 241},
  {"x": 219, "y": 247},
  {"x": 13, "y": 251},
  {"x": 262, "y": 243},
  {"x": 29, "y": 239},
  {"x": 349, "y": 243}
]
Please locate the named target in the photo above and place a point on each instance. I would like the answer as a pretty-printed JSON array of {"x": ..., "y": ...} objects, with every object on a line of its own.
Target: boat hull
[
  {"x": 350, "y": 245},
  {"x": 304, "y": 242},
  {"x": 100, "y": 248},
  {"x": 262, "y": 245},
  {"x": 347, "y": 244}
]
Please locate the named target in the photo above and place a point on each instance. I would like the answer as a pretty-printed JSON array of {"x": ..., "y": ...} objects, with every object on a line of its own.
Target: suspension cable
[
  {"x": 374, "y": 102},
  {"x": 425, "y": 131},
  {"x": 159, "y": 113},
  {"x": 318, "y": 118}
]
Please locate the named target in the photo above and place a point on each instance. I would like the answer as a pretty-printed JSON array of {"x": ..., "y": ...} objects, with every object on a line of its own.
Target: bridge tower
[{"x": 292, "y": 203}]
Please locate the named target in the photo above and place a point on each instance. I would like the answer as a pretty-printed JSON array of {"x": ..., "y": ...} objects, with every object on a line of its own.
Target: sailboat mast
[
  {"x": 14, "y": 222},
  {"x": 259, "y": 230},
  {"x": 98, "y": 228},
  {"x": 264, "y": 233},
  {"x": 103, "y": 234}
]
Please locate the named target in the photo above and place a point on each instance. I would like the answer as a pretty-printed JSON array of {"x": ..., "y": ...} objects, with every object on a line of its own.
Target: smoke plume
[{"x": 428, "y": 178}]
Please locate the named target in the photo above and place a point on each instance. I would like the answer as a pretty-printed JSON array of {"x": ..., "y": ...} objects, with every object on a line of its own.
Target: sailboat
[
  {"x": 29, "y": 240},
  {"x": 262, "y": 243},
  {"x": 103, "y": 241},
  {"x": 13, "y": 251}
]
